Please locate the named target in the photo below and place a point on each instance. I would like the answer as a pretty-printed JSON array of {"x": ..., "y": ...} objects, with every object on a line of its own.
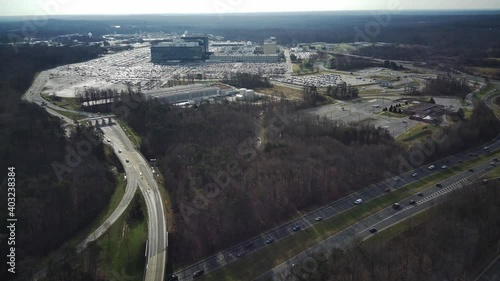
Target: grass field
[
  {"x": 392, "y": 114},
  {"x": 68, "y": 103},
  {"x": 134, "y": 137},
  {"x": 278, "y": 91},
  {"x": 122, "y": 248},
  {"x": 251, "y": 266},
  {"x": 417, "y": 134},
  {"x": 70, "y": 115}
]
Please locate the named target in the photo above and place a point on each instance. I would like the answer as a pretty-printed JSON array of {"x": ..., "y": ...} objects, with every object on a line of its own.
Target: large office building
[
  {"x": 183, "y": 93},
  {"x": 186, "y": 49},
  {"x": 245, "y": 58},
  {"x": 270, "y": 47}
]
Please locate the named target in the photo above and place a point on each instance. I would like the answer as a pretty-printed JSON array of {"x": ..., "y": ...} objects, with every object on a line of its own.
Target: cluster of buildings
[
  {"x": 196, "y": 48},
  {"x": 425, "y": 112}
]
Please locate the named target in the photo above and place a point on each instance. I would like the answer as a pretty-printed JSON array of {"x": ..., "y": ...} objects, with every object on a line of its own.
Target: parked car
[
  {"x": 373, "y": 230},
  {"x": 296, "y": 227},
  {"x": 319, "y": 218},
  {"x": 387, "y": 190},
  {"x": 240, "y": 254},
  {"x": 269, "y": 241},
  {"x": 431, "y": 167},
  {"x": 414, "y": 174},
  {"x": 358, "y": 201},
  {"x": 444, "y": 167},
  {"x": 471, "y": 170}
]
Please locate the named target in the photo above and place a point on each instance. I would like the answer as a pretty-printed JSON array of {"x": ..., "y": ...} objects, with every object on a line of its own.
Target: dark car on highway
[
  {"x": 248, "y": 245},
  {"x": 198, "y": 273},
  {"x": 420, "y": 194},
  {"x": 396, "y": 206},
  {"x": 413, "y": 202},
  {"x": 173, "y": 278},
  {"x": 439, "y": 185},
  {"x": 471, "y": 170}
]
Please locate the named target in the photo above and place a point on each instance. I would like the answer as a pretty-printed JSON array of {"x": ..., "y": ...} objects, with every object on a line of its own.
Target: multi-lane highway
[
  {"x": 295, "y": 267},
  {"x": 138, "y": 168},
  {"x": 247, "y": 247}
]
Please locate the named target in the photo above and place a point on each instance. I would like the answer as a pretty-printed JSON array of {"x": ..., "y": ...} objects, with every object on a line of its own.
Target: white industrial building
[
  {"x": 183, "y": 93},
  {"x": 244, "y": 58}
]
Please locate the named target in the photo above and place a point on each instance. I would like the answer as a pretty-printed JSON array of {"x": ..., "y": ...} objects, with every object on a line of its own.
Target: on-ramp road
[
  {"x": 138, "y": 174},
  {"x": 139, "y": 169}
]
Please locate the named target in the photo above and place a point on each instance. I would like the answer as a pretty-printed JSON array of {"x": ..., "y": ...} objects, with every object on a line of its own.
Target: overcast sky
[{"x": 69, "y": 7}]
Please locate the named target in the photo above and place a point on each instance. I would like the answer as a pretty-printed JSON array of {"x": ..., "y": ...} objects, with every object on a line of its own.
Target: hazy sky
[{"x": 65, "y": 7}]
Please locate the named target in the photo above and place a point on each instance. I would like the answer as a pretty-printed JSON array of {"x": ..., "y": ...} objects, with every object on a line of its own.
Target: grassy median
[{"x": 253, "y": 265}]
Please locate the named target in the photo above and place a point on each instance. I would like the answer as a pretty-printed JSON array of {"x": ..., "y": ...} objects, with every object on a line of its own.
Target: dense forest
[
  {"x": 227, "y": 167},
  {"x": 62, "y": 183},
  {"x": 240, "y": 164},
  {"x": 347, "y": 63},
  {"x": 447, "y": 86},
  {"x": 481, "y": 127},
  {"x": 457, "y": 237}
]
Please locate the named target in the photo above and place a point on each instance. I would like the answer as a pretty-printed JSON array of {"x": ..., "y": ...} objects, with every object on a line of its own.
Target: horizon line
[{"x": 254, "y": 12}]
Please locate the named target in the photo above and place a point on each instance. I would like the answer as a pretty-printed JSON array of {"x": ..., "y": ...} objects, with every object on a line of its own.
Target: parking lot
[
  {"x": 134, "y": 68},
  {"x": 365, "y": 110}
]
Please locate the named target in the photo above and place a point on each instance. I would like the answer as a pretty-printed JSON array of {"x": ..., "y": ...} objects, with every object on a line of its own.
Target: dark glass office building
[{"x": 186, "y": 50}]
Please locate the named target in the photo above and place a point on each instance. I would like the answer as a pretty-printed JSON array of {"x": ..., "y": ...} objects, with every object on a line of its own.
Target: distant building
[
  {"x": 425, "y": 109},
  {"x": 181, "y": 94},
  {"x": 270, "y": 47},
  {"x": 245, "y": 58},
  {"x": 187, "y": 49}
]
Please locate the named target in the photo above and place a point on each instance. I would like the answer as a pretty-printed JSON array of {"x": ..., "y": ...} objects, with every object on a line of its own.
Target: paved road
[
  {"x": 491, "y": 273},
  {"x": 230, "y": 255},
  {"x": 138, "y": 174},
  {"x": 299, "y": 264},
  {"x": 139, "y": 169},
  {"x": 132, "y": 182},
  {"x": 490, "y": 98}
]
